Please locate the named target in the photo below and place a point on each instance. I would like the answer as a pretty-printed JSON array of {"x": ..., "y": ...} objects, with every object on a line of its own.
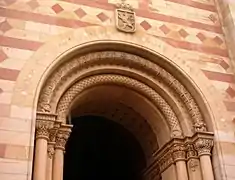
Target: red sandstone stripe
[
  {"x": 9, "y": 74},
  {"x": 2, "y": 150},
  {"x": 179, "y": 21},
  {"x": 27, "y": 16},
  {"x": 195, "y": 47},
  {"x": 230, "y": 106},
  {"x": 151, "y": 15},
  {"x": 217, "y": 76},
  {"x": 19, "y": 43},
  {"x": 195, "y": 4},
  {"x": 5, "y": 110},
  {"x": 96, "y": 4}
]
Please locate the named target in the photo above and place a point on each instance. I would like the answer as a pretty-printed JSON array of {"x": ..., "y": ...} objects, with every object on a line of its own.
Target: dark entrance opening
[{"x": 100, "y": 149}]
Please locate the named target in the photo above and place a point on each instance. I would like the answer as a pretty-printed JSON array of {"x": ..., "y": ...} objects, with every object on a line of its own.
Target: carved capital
[
  {"x": 62, "y": 136},
  {"x": 54, "y": 130},
  {"x": 51, "y": 149},
  {"x": 178, "y": 152},
  {"x": 191, "y": 152},
  {"x": 203, "y": 146},
  {"x": 42, "y": 128}
]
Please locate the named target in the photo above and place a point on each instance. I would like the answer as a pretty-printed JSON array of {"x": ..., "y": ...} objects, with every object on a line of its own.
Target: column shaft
[
  {"x": 49, "y": 168},
  {"x": 40, "y": 161},
  {"x": 58, "y": 161},
  {"x": 204, "y": 147},
  {"x": 181, "y": 169},
  {"x": 42, "y": 135},
  {"x": 58, "y": 164},
  {"x": 206, "y": 167}
]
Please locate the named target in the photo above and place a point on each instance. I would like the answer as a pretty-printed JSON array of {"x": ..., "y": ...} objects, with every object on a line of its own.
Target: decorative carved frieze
[
  {"x": 46, "y": 116},
  {"x": 62, "y": 136},
  {"x": 125, "y": 17},
  {"x": 187, "y": 148}
]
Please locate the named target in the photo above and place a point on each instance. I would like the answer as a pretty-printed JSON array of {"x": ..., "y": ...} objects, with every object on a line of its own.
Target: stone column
[
  {"x": 42, "y": 135},
  {"x": 203, "y": 147},
  {"x": 194, "y": 170},
  {"x": 179, "y": 156},
  {"x": 58, "y": 161},
  {"x": 51, "y": 149}
]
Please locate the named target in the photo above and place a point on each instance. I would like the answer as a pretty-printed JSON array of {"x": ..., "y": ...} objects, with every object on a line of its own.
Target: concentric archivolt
[
  {"x": 158, "y": 101},
  {"x": 66, "y": 73}
]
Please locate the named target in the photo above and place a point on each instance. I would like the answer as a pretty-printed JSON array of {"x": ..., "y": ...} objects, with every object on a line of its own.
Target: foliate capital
[
  {"x": 42, "y": 128},
  {"x": 62, "y": 136},
  {"x": 178, "y": 152},
  {"x": 191, "y": 152},
  {"x": 203, "y": 146}
]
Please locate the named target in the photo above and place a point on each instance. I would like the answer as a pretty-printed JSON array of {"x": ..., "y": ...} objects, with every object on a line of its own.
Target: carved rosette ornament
[
  {"x": 43, "y": 128},
  {"x": 125, "y": 18},
  {"x": 203, "y": 146},
  {"x": 62, "y": 136},
  {"x": 178, "y": 152}
]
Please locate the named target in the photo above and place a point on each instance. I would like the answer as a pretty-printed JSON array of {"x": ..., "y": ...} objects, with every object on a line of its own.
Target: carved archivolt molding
[
  {"x": 67, "y": 72},
  {"x": 87, "y": 83}
]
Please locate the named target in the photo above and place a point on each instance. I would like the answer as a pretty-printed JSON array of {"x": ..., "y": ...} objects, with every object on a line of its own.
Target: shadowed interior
[{"x": 99, "y": 148}]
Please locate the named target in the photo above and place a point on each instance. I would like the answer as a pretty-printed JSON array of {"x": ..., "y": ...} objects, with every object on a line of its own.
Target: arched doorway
[
  {"x": 99, "y": 148},
  {"x": 116, "y": 81}
]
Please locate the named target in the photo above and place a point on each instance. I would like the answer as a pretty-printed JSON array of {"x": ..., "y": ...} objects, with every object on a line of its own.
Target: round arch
[{"x": 140, "y": 65}]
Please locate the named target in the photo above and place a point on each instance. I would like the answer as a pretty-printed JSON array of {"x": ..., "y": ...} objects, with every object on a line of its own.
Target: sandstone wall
[{"x": 190, "y": 28}]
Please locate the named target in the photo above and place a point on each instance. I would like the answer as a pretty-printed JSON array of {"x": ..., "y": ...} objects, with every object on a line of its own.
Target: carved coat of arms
[{"x": 125, "y": 18}]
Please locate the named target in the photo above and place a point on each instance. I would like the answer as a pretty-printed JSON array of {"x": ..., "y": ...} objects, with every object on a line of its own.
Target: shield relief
[{"x": 125, "y": 18}]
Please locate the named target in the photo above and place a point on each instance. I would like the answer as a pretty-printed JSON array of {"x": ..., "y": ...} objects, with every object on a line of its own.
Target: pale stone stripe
[
  {"x": 16, "y": 53},
  {"x": 21, "y": 112},
  {"x": 27, "y": 35},
  {"x": 10, "y": 166},
  {"x": 14, "y": 124},
  {"x": 12, "y": 63},
  {"x": 14, "y": 137},
  {"x": 10, "y": 176},
  {"x": 45, "y": 28},
  {"x": 223, "y": 136},
  {"x": 5, "y": 97},
  {"x": 210, "y": 2}
]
